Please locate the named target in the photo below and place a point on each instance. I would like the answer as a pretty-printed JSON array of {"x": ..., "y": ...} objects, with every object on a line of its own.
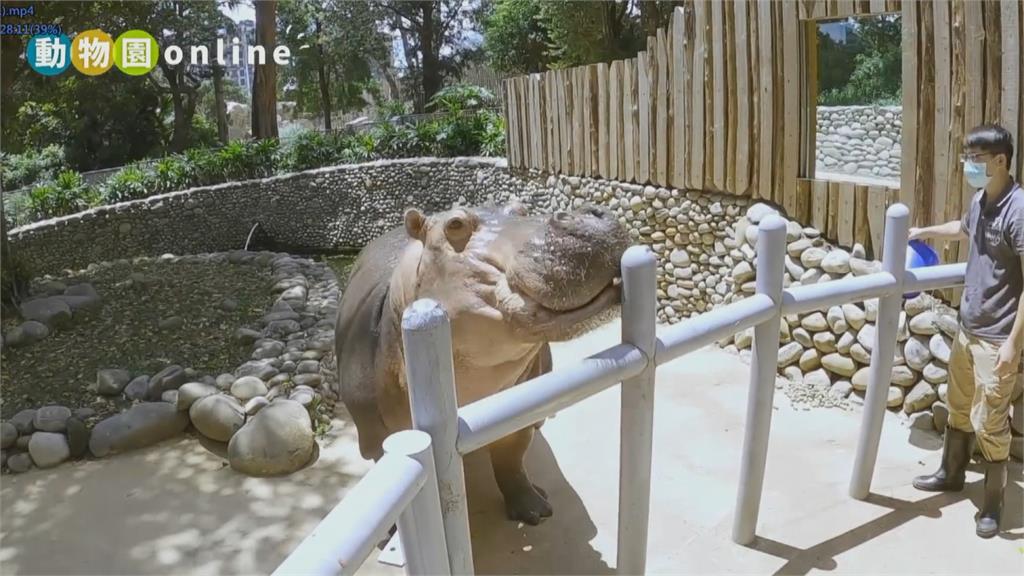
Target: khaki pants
[{"x": 978, "y": 401}]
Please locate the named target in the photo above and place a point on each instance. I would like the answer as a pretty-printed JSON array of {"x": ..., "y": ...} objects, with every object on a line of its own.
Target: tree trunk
[
  {"x": 220, "y": 107},
  {"x": 323, "y": 75},
  {"x": 264, "y": 87},
  {"x": 182, "y": 124},
  {"x": 431, "y": 67}
]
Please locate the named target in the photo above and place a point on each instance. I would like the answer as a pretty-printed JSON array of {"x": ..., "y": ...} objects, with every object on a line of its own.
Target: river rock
[
  {"x": 796, "y": 249},
  {"x": 934, "y": 373},
  {"x": 23, "y": 421},
  {"x": 248, "y": 387},
  {"x": 943, "y": 391},
  {"x": 861, "y": 378},
  {"x": 810, "y": 360},
  {"x": 918, "y": 304},
  {"x": 742, "y": 272},
  {"x": 814, "y": 322},
  {"x": 845, "y": 342},
  {"x": 812, "y": 257},
  {"x": 192, "y": 391},
  {"x": 924, "y": 324},
  {"x": 789, "y": 353},
  {"x": 802, "y": 336},
  {"x": 170, "y": 378},
  {"x": 26, "y": 333},
  {"x": 938, "y": 345},
  {"x": 916, "y": 353},
  {"x": 860, "y": 267},
  {"x": 8, "y": 435},
  {"x": 871, "y": 310},
  {"x": 921, "y": 420},
  {"x": 218, "y": 417},
  {"x": 948, "y": 324},
  {"x": 902, "y": 331},
  {"x": 895, "y": 399},
  {"x": 760, "y": 211},
  {"x": 836, "y": 262},
  {"x": 51, "y": 418},
  {"x": 866, "y": 337},
  {"x": 836, "y": 320},
  {"x": 48, "y": 449},
  {"x": 19, "y": 463},
  {"x": 52, "y": 311},
  {"x": 141, "y": 425},
  {"x": 854, "y": 316},
  {"x": 841, "y": 389},
  {"x": 136, "y": 389},
  {"x": 78, "y": 437},
  {"x": 903, "y": 376},
  {"x": 921, "y": 397},
  {"x": 111, "y": 381},
  {"x": 825, "y": 342},
  {"x": 839, "y": 365},
  {"x": 256, "y": 404},
  {"x": 817, "y": 379},
  {"x": 277, "y": 440}
]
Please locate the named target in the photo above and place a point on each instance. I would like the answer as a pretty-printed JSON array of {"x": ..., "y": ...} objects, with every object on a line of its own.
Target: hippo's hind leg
[{"x": 524, "y": 501}]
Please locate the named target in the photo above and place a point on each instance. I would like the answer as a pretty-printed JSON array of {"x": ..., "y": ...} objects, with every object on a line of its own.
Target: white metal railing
[{"x": 456, "y": 431}]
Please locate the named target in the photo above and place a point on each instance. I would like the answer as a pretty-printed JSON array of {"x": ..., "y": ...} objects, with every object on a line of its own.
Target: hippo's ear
[
  {"x": 415, "y": 224},
  {"x": 459, "y": 228}
]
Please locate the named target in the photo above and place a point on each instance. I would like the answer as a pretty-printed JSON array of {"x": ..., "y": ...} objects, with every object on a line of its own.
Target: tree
[
  {"x": 185, "y": 23},
  {"x": 338, "y": 45},
  {"x": 867, "y": 68},
  {"x": 434, "y": 39},
  {"x": 264, "y": 87},
  {"x": 515, "y": 38}
]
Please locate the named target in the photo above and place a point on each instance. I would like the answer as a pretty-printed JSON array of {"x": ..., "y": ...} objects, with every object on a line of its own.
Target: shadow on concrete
[
  {"x": 559, "y": 545},
  {"x": 822, "y": 556},
  {"x": 925, "y": 439}
]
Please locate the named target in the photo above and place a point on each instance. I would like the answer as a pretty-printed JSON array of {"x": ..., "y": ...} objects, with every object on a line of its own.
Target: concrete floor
[{"x": 176, "y": 509}]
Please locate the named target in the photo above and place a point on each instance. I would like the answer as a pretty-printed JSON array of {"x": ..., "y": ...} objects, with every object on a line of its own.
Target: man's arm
[
  {"x": 952, "y": 230},
  {"x": 1009, "y": 353}
]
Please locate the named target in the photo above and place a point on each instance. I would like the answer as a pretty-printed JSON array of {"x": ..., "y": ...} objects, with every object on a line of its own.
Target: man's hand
[
  {"x": 915, "y": 233},
  {"x": 1008, "y": 359}
]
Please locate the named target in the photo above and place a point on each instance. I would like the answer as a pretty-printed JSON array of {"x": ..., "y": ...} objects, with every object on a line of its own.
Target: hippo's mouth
[{"x": 607, "y": 295}]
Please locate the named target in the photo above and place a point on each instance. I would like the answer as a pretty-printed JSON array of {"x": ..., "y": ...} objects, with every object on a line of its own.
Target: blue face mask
[{"x": 975, "y": 174}]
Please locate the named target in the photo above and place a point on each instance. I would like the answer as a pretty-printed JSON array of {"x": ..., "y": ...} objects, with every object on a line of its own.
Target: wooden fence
[{"x": 724, "y": 100}]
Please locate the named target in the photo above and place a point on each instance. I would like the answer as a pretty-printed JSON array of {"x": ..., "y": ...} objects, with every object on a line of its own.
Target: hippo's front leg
[{"x": 523, "y": 501}]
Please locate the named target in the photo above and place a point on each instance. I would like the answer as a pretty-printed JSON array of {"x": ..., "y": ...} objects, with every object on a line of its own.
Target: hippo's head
[{"x": 542, "y": 277}]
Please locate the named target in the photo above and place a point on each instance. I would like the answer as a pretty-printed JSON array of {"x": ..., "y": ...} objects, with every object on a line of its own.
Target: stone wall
[
  {"x": 320, "y": 210},
  {"x": 859, "y": 141}
]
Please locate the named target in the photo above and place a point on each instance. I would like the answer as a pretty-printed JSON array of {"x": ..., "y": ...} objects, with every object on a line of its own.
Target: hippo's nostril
[{"x": 596, "y": 211}]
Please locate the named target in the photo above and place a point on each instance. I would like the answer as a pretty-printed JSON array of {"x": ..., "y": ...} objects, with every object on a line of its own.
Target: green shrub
[
  {"x": 130, "y": 183},
  {"x": 33, "y": 166},
  {"x": 170, "y": 175},
  {"x": 67, "y": 194},
  {"x": 310, "y": 149}
]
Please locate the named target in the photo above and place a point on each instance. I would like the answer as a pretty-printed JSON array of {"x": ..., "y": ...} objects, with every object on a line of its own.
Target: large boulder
[
  {"x": 277, "y": 440},
  {"x": 48, "y": 449},
  {"x": 190, "y": 392},
  {"x": 140, "y": 426},
  {"x": 27, "y": 333},
  {"x": 52, "y": 311},
  {"x": 920, "y": 397},
  {"x": 170, "y": 378},
  {"x": 51, "y": 418},
  {"x": 218, "y": 417}
]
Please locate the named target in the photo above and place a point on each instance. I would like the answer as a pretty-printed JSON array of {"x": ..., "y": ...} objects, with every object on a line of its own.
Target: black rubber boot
[
  {"x": 955, "y": 456},
  {"x": 995, "y": 480}
]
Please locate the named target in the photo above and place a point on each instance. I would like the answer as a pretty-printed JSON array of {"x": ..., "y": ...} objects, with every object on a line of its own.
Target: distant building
[
  {"x": 242, "y": 73},
  {"x": 837, "y": 30}
]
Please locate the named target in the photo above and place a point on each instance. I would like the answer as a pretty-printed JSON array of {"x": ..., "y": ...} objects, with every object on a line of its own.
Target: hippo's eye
[{"x": 455, "y": 224}]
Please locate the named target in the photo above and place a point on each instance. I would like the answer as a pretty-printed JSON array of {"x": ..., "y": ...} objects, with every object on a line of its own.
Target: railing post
[
  {"x": 420, "y": 525},
  {"x": 894, "y": 255},
  {"x": 771, "y": 252},
  {"x": 639, "y": 314},
  {"x": 427, "y": 339}
]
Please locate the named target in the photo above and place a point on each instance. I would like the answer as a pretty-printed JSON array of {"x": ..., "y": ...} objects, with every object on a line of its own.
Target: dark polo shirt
[{"x": 994, "y": 281}]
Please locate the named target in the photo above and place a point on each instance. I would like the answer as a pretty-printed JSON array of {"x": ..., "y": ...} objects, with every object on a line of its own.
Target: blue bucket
[{"x": 919, "y": 255}]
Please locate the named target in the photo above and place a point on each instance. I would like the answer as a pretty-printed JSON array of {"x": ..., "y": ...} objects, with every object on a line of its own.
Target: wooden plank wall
[{"x": 720, "y": 101}]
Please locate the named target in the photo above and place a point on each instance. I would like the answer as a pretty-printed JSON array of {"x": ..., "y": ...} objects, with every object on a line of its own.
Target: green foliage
[
  {"x": 515, "y": 38},
  {"x": 458, "y": 98},
  {"x": 129, "y": 183},
  {"x": 867, "y": 69},
  {"x": 309, "y": 149},
  {"x": 19, "y": 170},
  {"x": 67, "y": 194}
]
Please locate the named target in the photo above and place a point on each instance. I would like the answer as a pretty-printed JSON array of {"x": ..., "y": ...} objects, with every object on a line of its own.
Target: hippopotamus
[{"x": 509, "y": 282}]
